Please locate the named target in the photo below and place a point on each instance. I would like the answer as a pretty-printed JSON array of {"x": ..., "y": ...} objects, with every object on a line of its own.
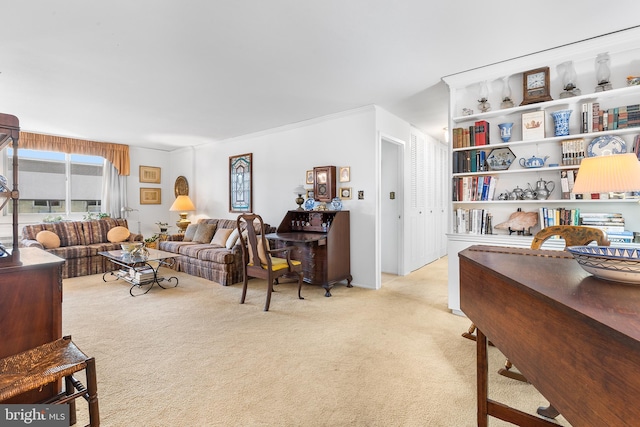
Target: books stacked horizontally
[{"x": 611, "y": 223}]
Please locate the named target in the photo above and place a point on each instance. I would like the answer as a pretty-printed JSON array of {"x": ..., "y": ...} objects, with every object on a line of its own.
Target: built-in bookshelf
[{"x": 600, "y": 120}]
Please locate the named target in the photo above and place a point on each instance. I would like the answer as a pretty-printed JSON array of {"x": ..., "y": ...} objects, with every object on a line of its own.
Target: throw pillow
[
  {"x": 204, "y": 233},
  {"x": 48, "y": 239},
  {"x": 233, "y": 238},
  {"x": 261, "y": 255},
  {"x": 190, "y": 232},
  {"x": 220, "y": 238},
  {"x": 118, "y": 234}
]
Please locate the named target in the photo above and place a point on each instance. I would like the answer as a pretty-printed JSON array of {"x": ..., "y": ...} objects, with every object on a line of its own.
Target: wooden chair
[
  {"x": 573, "y": 235},
  {"x": 46, "y": 364},
  {"x": 257, "y": 260}
]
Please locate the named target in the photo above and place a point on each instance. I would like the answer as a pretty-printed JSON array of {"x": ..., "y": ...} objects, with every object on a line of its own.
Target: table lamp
[
  {"x": 610, "y": 173},
  {"x": 182, "y": 204},
  {"x": 299, "y": 190}
]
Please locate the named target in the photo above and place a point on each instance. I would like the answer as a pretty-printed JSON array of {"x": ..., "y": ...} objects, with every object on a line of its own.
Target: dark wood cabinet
[
  {"x": 30, "y": 307},
  {"x": 323, "y": 242}
]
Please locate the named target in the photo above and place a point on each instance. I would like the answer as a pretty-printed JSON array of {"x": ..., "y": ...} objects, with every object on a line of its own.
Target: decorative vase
[
  {"x": 561, "y": 121},
  {"x": 336, "y": 204},
  {"x": 505, "y": 131}
]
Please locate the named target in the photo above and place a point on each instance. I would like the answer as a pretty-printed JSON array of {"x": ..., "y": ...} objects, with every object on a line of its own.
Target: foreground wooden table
[{"x": 575, "y": 337}]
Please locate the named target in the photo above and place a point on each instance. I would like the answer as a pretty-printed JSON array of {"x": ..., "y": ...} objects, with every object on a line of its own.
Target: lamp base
[{"x": 183, "y": 223}]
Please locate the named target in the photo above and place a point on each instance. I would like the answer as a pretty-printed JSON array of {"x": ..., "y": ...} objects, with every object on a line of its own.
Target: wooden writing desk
[{"x": 575, "y": 337}]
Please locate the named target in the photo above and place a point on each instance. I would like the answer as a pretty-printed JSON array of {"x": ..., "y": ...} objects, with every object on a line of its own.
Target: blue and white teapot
[{"x": 533, "y": 162}]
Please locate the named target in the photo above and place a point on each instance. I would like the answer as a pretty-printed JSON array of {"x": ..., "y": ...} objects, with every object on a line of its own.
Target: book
[
  {"x": 481, "y": 132},
  {"x": 533, "y": 125}
]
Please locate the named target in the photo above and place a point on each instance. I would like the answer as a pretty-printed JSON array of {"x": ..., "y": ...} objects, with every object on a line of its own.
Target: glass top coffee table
[{"x": 141, "y": 271}]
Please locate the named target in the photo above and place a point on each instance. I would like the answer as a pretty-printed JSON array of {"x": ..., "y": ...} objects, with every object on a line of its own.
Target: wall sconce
[{"x": 182, "y": 204}]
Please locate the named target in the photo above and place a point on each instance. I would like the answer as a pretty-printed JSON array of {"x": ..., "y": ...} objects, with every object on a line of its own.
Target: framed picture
[
  {"x": 241, "y": 183},
  {"x": 345, "y": 193},
  {"x": 310, "y": 194},
  {"x": 533, "y": 125},
  {"x": 309, "y": 177},
  {"x": 345, "y": 174},
  {"x": 150, "y": 196},
  {"x": 150, "y": 174}
]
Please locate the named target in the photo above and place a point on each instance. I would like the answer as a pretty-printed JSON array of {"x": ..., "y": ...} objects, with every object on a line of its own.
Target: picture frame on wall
[
  {"x": 150, "y": 196},
  {"x": 345, "y": 174},
  {"x": 310, "y": 194},
  {"x": 309, "y": 179},
  {"x": 150, "y": 174},
  {"x": 241, "y": 183},
  {"x": 345, "y": 193}
]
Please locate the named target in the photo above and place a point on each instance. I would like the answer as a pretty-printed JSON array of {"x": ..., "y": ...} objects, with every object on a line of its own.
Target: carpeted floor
[{"x": 193, "y": 356}]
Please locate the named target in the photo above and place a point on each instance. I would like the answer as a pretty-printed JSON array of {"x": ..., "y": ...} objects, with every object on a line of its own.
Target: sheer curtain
[{"x": 114, "y": 190}]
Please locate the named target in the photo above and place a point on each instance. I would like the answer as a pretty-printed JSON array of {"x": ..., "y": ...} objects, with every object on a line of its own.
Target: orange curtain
[{"x": 117, "y": 154}]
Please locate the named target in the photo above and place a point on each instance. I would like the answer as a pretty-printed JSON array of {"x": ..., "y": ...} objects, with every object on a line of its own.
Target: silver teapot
[
  {"x": 529, "y": 193},
  {"x": 544, "y": 189}
]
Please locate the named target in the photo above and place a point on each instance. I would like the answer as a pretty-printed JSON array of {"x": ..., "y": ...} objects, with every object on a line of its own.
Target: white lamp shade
[
  {"x": 613, "y": 173},
  {"x": 182, "y": 204},
  {"x": 299, "y": 190}
]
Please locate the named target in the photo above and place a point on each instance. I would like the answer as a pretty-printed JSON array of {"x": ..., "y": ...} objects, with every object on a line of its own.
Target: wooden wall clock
[
  {"x": 535, "y": 86},
  {"x": 324, "y": 183}
]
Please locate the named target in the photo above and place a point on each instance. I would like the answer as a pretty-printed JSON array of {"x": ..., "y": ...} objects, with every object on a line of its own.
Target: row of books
[
  {"x": 596, "y": 120},
  {"x": 469, "y": 161},
  {"x": 474, "y": 188},
  {"x": 472, "y": 221},
  {"x": 573, "y": 151},
  {"x": 474, "y": 135},
  {"x": 611, "y": 223}
]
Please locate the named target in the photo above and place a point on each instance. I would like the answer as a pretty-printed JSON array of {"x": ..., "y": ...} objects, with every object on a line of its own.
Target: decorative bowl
[
  {"x": 130, "y": 246},
  {"x": 619, "y": 264}
]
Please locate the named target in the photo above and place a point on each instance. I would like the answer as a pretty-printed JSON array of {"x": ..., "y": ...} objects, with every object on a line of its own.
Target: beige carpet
[{"x": 193, "y": 356}]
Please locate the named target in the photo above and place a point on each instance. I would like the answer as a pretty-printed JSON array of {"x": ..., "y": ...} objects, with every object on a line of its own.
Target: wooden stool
[{"x": 49, "y": 363}]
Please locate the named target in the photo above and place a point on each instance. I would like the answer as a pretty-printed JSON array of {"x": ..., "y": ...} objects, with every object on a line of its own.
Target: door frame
[{"x": 379, "y": 220}]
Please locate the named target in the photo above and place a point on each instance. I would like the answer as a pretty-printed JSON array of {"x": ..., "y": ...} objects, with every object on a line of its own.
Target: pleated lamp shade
[{"x": 613, "y": 173}]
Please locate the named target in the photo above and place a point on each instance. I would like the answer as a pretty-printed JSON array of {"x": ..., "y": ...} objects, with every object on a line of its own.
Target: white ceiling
[{"x": 169, "y": 74}]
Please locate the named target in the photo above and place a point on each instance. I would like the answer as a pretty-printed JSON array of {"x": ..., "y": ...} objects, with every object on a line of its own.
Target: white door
[{"x": 416, "y": 225}]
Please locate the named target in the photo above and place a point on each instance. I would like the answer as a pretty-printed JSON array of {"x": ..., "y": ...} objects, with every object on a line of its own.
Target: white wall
[{"x": 281, "y": 158}]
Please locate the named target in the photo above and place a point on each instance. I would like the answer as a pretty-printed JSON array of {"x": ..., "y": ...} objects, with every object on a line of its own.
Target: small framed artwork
[
  {"x": 533, "y": 125},
  {"x": 345, "y": 174},
  {"x": 150, "y": 174},
  {"x": 309, "y": 177},
  {"x": 310, "y": 194},
  {"x": 345, "y": 193},
  {"x": 241, "y": 183},
  {"x": 150, "y": 196}
]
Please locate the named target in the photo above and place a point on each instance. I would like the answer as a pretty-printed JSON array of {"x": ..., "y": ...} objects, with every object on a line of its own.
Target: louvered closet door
[{"x": 416, "y": 215}]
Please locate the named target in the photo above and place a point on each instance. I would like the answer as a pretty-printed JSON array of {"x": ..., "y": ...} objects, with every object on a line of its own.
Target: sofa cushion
[
  {"x": 261, "y": 255},
  {"x": 190, "y": 232},
  {"x": 70, "y": 252},
  {"x": 118, "y": 234},
  {"x": 232, "y": 239},
  {"x": 48, "y": 239},
  {"x": 204, "y": 233},
  {"x": 219, "y": 255},
  {"x": 221, "y": 236},
  {"x": 96, "y": 231}
]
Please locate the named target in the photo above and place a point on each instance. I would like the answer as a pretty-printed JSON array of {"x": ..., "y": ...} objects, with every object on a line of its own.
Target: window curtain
[
  {"x": 117, "y": 154},
  {"x": 114, "y": 190}
]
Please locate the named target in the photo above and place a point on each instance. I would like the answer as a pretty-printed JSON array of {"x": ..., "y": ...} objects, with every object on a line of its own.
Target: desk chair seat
[{"x": 256, "y": 247}]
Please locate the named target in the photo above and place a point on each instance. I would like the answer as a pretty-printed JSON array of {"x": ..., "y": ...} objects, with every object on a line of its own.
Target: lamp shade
[
  {"x": 612, "y": 173},
  {"x": 299, "y": 190},
  {"x": 182, "y": 204}
]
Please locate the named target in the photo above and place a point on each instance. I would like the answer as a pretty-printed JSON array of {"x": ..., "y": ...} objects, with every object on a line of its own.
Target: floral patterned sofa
[
  {"x": 214, "y": 253},
  {"x": 79, "y": 243}
]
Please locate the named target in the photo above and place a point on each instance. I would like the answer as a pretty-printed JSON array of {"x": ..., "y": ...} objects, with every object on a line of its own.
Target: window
[{"x": 56, "y": 183}]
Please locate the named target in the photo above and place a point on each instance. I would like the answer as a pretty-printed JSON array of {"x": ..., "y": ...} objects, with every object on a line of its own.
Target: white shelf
[
  {"x": 614, "y": 93},
  {"x": 548, "y": 201}
]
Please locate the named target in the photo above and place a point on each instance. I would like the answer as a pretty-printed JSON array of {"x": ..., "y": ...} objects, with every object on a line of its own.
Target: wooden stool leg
[
  {"x": 68, "y": 390},
  {"x": 92, "y": 393}
]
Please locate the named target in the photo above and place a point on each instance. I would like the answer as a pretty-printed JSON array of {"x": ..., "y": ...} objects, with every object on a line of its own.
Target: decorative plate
[
  {"x": 181, "y": 187},
  {"x": 608, "y": 262},
  {"x": 309, "y": 204},
  {"x": 606, "y": 144},
  {"x": 500, "y": 159}
]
